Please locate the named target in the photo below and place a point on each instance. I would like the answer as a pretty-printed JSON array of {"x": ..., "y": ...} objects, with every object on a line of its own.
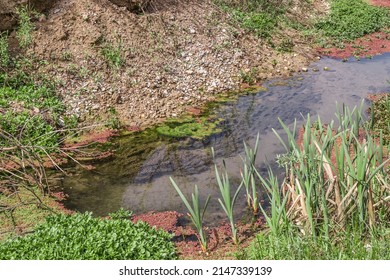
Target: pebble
[{"x": 304, "y": 69}]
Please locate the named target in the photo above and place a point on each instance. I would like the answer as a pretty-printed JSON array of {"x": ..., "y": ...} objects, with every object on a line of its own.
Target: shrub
[{"x": 82, "y": 237}]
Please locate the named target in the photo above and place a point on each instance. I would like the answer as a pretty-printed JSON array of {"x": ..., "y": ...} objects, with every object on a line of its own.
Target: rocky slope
[{"x": 144, "y": 63}]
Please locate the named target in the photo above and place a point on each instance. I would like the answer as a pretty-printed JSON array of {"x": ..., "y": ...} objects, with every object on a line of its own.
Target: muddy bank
[
  {"x": 370, "y": 45},
  {"x": 220, "y": 243}
]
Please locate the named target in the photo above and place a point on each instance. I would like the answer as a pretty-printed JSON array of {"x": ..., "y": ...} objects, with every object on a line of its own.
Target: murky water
[{"x": 138, "y": 177}]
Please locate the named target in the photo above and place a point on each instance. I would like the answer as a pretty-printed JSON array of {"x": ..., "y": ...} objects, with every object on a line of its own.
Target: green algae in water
[{"x": 190, "y": 127}]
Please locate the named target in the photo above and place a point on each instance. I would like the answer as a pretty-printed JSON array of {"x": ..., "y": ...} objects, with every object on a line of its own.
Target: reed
[
  {"x": 227, "y": 202},
  {"x": 335, "y": 187},
  {"x": 336, "y": 176},
  {"x": 195, "y": 212},
  {"x": 248, "y": 176}
]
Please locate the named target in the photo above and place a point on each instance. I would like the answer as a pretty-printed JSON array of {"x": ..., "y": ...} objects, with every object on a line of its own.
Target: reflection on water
[{"x": 138, "y": 177}]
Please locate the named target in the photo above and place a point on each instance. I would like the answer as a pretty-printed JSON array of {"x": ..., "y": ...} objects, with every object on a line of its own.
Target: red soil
[
  {"x": 369, "y": 45},
  {"x": 383, "y": 3},
  {"x": 220, "y": 245},
  {"x": 93, "y": 137}
]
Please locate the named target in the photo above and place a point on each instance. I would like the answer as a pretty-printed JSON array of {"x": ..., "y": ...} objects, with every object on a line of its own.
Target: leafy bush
[
  {"x": 80, "y": 236},
  {"x": 349, "y": 20}
]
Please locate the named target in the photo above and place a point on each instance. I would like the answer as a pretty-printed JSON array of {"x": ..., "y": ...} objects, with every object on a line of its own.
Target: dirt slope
[{"x": 175, "y": 56}]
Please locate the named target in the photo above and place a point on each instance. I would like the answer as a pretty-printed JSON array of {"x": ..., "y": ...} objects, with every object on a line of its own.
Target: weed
[
  {"x": 287, "y": 45},
  {"x": 380, "y": 118},
  {"x": 25, "y": 29},
  {"x": 4, "y": 54},
  {"x": 248, "y": 176},
  {"x": 249, "y": 77},
  {"x": 113, "y": 54},
  {"x": 66, "y": 56}
]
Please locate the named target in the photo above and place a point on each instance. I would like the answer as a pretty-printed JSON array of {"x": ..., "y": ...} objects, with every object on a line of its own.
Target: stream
[{"x": 137, "y": 178}]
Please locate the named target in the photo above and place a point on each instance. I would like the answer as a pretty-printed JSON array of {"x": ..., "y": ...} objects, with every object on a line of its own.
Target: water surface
[{"x": 138, "y": 177}]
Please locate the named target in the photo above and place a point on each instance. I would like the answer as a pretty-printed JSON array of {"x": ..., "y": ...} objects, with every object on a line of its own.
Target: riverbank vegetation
[
  {"x": 80, "y": 236},
  {"x": 332, "y": 204},
  {"x": 334, "y": 200}
]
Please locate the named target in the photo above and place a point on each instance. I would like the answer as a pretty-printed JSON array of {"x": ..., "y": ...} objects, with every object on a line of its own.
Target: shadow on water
[{"x": 138, "y": 177}]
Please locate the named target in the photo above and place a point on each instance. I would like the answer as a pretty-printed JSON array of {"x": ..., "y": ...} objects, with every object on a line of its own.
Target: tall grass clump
[
  {"x": 4, "y": 54},
  {"x": 336, "y": 186},
  {"x": 227, "y": 202},
  {"x": 248, "y": 176},
  {"x": 195, "y": 212},
  {"x": 24, "y": 32}
]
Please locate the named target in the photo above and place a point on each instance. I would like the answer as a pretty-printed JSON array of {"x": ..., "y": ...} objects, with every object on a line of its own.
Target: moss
[{"x": 190, "y": 127}]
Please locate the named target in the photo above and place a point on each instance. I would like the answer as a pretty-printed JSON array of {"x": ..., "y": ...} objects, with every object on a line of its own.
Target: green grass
[
  {"x": 291, "y": 246},
  {"x": 195, "y": 212},
  {"x": 349, "y": 20},
  {"x": 82, "y": 237},
  {"x": 260, "y": 17},
  {"x": 22, "y": 211},
  {"x": 30, "y": 113}
]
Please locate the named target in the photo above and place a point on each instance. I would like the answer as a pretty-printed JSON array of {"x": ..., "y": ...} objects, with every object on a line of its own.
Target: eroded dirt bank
[{"x": 168, "y": 59}]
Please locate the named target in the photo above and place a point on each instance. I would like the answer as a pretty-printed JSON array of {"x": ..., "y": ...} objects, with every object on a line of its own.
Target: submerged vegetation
[{"x": 190, "y": 127}]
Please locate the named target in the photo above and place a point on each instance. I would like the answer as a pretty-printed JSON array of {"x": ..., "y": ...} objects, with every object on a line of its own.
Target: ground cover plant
[
  {"x": 349, "y": 20},
  {"x": 260, "y": 17},
  {"x": 83, "y": 237}
]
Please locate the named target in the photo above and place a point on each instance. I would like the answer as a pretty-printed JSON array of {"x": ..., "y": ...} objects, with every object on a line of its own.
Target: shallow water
[{"x": 138, "y": 177}]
